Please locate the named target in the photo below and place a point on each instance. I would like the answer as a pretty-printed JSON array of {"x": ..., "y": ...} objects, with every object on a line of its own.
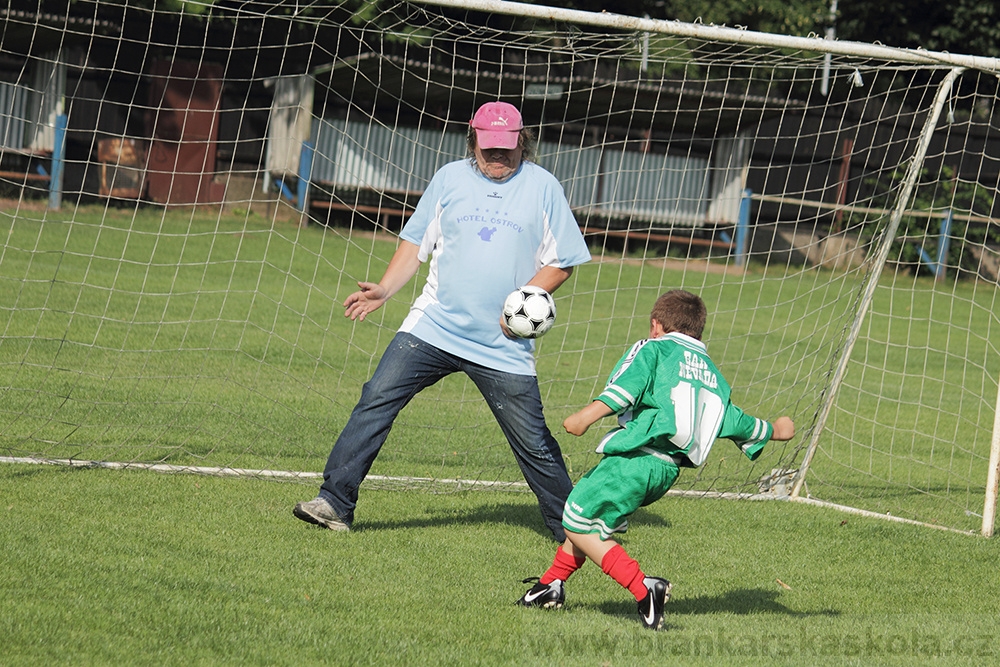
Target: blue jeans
[{"x": 410, "y": 365}]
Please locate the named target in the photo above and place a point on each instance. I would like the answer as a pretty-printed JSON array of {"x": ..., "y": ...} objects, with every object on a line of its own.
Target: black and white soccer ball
[{"x": 529, "y": 312}]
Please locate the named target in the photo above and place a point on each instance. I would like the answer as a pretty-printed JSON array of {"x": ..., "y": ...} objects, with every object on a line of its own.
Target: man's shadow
[{"x": 526, "y": 515}]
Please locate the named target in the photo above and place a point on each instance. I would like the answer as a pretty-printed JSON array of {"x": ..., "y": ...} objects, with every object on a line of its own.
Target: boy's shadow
[{"x": 742, "y": 601}]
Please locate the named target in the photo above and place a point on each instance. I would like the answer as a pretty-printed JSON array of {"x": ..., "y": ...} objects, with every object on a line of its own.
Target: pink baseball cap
[{"x": 497, "y": 125}]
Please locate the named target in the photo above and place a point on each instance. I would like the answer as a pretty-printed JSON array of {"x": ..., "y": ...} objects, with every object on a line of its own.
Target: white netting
[{"x": 228, "y": 176}]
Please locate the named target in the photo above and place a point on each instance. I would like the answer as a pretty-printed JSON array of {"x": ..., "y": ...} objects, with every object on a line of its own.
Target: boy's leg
[
  {"x": 549, "y": 592},
  {"x": 600, "y": 505},
  {"x": 564, "y": 564},
  {"x": 651, "y": 593},
  {"x": 612, "y": 559}
]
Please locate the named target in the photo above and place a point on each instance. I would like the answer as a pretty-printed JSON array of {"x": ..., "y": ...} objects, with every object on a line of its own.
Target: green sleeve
[
  {"x": 748, "y": 432},
  {"x": 628, "y": 381}
]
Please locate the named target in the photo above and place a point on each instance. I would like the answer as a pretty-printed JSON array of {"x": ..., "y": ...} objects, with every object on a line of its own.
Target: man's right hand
[{"x": 368, "y": 299}]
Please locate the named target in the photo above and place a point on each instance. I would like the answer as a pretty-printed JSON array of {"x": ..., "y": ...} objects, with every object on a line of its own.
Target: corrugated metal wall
[
  {"x": 653, "y": 187},
  {"x": 28, "y": 115},
  {"x": 46, "y": 103},
  {"x": 607, "y": 180},
  {"x": 578, "y": 169},
  {"x": 13, "y": 113},
  {"x": 368, "y": 155}
]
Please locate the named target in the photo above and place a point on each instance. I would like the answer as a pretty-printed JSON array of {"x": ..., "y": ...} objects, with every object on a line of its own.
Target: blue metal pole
[
  {"x": 943, "y": 240},
  {"x": 926, "y": 260},
  {"x": 743, "y": 228},
  {"x": 286, "y": 191},
  {"x": 58, "y": 157},
  {"x": 305, "y": 173}
]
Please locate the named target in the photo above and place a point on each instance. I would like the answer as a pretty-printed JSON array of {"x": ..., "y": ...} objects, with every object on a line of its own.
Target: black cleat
[
  {"x": 651, "y": 606},
  {"x": 546, "y": 596}
]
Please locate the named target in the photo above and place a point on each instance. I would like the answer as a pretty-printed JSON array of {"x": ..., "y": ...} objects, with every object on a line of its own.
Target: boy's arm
[
  {"x": 751, "y": 433},
  {"x": 578, "y": 422},
  {"x": 784, "y": 428}
]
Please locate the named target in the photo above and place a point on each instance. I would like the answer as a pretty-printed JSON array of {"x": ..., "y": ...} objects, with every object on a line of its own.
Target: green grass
[
  {"x": 119, "y": 568},
  {"x": 218, "y": 341}
]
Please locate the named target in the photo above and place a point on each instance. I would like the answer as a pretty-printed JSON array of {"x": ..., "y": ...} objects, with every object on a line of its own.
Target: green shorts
[{"x": 604, "y": 498}]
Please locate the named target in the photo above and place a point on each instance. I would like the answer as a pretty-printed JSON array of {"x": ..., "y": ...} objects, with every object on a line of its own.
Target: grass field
[
  {"x": 119, "y": 568},
  {"x": 140, "y": 336}
]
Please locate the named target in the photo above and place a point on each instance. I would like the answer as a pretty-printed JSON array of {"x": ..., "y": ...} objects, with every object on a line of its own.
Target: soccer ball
[{"x": 529, "y": 312}]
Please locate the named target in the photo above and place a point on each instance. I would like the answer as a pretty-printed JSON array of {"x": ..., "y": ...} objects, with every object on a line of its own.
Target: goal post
[
  {"x": 231, "y": 174},
  {"x": 878, "y": 262},
  {"x": 993, "y": 476}
]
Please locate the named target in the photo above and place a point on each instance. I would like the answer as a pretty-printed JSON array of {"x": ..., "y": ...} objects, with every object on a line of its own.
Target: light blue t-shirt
[{"x": 485, "y": 239}]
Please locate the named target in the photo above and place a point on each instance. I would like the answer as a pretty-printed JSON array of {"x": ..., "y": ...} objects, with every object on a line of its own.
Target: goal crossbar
[{"x": 714, "y": 33}]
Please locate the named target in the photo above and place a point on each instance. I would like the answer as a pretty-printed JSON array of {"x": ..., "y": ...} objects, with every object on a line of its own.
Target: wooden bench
[
  {"x": 402, "y": 210},
  {"x": 382, "y": 214},
  {"x": 22, "y": 177},
  {"x": 647, "y": 235},
  {"x": 399, "y": 206},
  {"x": 25, "y": 168}
]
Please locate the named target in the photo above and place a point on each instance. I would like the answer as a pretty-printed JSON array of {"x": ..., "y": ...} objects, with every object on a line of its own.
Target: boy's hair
[{"x": 681, "y": 311}]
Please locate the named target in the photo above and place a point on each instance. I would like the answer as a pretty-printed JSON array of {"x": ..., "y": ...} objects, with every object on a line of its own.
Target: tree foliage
[
  {"x": 961, "y": 26},
  {"x": 937, "y": 191}
]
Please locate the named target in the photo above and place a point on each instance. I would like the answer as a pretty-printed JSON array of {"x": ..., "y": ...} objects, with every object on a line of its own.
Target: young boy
[{"x": 672, "y": 403}]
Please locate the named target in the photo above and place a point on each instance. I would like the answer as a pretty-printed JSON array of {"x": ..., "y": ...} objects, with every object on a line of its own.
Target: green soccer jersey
[{"x": 673, "y": 402}]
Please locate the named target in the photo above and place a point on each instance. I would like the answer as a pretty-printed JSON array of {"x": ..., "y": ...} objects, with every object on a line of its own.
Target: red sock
[
  {"x": 562, "y": 566},
  {"x": 625, "y": 570}
]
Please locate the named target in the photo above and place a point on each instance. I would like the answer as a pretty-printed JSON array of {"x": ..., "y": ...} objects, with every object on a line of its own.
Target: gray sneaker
[{"x": 319, "y": 512}]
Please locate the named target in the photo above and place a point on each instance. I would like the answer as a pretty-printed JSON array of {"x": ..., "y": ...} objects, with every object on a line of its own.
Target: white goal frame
[{"x": 959, "y": 63}]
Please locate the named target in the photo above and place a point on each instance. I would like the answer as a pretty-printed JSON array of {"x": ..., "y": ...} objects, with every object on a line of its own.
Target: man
[{"x": 489, "y": 224}]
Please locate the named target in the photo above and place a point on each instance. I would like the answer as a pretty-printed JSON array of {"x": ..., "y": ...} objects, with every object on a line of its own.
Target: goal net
[{"x": 189, "y": 197}]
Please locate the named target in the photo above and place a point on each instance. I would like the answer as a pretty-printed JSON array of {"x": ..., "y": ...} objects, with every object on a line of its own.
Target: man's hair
[
  {"x": 681, "y": 311},
  {"x": 525, "y": 139}
]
